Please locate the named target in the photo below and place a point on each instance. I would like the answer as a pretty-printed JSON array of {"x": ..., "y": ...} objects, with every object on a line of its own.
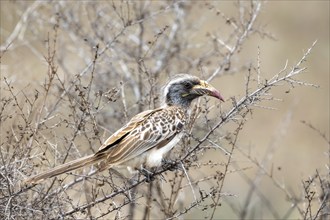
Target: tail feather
[{"x": 72, "y": 165}]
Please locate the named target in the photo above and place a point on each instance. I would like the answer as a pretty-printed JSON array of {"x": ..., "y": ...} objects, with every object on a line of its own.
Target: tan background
[{"x": 300, "y": 150}]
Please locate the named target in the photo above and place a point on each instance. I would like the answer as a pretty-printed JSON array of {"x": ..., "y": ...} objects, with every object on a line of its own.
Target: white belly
[{"x": 155, "y": 157}]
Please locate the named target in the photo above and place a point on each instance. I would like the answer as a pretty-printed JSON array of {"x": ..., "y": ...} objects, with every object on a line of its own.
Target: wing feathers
[{"x": 131, "y": 125}]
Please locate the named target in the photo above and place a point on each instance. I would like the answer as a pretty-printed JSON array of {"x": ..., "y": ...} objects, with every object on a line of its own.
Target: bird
[{"x": 145, "y": 140}]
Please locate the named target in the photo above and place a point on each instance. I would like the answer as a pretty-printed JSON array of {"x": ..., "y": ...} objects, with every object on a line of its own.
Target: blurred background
[{"x": 291, "y": 150}]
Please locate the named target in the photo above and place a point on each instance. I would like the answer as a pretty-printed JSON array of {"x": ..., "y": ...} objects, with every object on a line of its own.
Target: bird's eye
[{"x": 187, "y": 85}]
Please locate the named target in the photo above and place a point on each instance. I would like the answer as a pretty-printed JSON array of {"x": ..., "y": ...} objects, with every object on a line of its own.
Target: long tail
[{"x": 72, "y": 165}]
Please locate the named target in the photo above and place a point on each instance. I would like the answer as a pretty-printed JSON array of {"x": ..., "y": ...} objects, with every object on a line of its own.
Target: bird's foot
[
  {"x": 148, "y": 174},
  {"x": 170, "y": 165}
]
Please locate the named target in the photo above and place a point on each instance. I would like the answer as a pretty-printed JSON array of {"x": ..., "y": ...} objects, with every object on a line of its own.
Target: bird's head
[{"x": 184, "y": 88}]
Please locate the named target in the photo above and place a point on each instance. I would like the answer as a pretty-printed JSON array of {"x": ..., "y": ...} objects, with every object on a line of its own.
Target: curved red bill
[{"x": 215, "y": 93}]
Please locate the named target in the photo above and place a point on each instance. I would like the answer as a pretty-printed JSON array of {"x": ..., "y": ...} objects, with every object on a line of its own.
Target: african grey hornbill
[{"x": 148, "y": 136}]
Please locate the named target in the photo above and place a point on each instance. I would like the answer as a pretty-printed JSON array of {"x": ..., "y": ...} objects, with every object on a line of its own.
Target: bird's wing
[
  {"x": 147, "y": 130},
  {"x": 116, "y": 137}
]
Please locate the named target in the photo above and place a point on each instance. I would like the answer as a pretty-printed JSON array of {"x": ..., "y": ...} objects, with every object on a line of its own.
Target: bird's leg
[
  {"x": 148, "y": 174},
  {"x": 171, "y": 165}
]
